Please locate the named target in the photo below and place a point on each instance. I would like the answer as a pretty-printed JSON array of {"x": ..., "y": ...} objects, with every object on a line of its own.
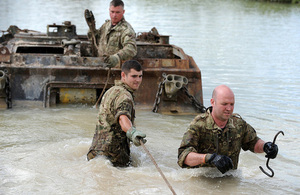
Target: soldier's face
[
  {"x": 133, "y": 79},
  {"x": 116, "y": 14},
  {"x": 223, "y": 106}
]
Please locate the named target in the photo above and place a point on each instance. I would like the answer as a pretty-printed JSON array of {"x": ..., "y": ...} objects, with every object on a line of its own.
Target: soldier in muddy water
[
  {"x": 115, "y": 128},
  {"x": 216, "y": 137}
]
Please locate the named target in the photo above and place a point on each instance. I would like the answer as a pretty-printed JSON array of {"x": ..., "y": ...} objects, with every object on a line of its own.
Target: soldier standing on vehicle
[
  {"x": 115, "y": 40},
  {"x": 215, "y": 138},
  {"x": 115, "y": 126}
]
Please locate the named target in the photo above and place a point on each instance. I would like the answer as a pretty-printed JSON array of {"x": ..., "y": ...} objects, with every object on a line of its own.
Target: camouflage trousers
[
  {"x": 120, "y": 160},
  {"x": 117, "y": 150}
]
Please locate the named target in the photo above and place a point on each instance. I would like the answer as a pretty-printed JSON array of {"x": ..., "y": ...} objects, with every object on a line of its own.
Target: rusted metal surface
[
  {"x": 4, "y": 54},
  {"x": 48, "y": 67},
  {"x": 52, "y": 91},
  {"x": 5, "y": 93},
  {"x": 2, "y": 90}
]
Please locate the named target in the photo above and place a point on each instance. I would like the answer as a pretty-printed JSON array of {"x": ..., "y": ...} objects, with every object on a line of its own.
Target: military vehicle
[{"x": 58, "y": 68}]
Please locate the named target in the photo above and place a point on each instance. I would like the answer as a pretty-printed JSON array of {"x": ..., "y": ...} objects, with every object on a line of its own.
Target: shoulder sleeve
[
  {"x": 128, "y": 42},
  {"x": 250, "y": 137},
  {"x": 189, "y": 142},
  {"x": 124, "y": 106}
]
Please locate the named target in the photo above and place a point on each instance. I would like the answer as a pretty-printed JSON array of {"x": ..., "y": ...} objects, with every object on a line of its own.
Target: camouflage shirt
[
  {"x": 109, "y": 139},
  {"x": 118, "y": 39},
  {"x": 204, "y": 136}
]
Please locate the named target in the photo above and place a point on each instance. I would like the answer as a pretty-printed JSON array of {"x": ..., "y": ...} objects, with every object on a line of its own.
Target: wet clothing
[
  {"x": 204, "y": 136},
  {"x": 109, "y": 139},
  {"x": 118, "y": 39}
]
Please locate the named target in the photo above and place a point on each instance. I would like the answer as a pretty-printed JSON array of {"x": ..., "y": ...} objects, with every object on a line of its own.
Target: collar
[
  {"x": 122, "y": 84},
  {"x": 119, "y": 23},
  {"x": 213, "y": 126}
]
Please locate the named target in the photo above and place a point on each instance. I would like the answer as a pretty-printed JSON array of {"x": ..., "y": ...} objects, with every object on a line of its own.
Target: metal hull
[{"x": 40, "y": 68}]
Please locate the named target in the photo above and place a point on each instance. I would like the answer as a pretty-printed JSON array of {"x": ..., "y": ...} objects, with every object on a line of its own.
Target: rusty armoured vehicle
[{"x": 58, "y": 68}]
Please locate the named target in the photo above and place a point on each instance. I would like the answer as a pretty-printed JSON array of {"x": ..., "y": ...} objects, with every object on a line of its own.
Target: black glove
[
  {"x": 89, "y": 17},
  {"x": 271, "y": 150},
  {"x": 222, "y": 162}
]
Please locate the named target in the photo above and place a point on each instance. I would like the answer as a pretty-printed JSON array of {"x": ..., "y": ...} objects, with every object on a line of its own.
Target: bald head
[
  {"x": 222, "y": 90},
  {"x": 222, "y": 102}
]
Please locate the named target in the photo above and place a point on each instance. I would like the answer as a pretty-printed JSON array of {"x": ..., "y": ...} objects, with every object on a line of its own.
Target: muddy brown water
[{"x": 253, "y": 47}]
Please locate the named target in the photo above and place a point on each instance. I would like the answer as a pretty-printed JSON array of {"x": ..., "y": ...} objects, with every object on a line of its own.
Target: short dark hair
[
  {"x": 131, "y": 64},
  {"x": 116, "y": 3}
]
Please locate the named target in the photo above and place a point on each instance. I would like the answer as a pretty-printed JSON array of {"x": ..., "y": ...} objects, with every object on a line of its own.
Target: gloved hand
[
  {"x": 89, "y": 17},
  {"x": 112, "y": 60},
  {"x": 135, "y": 136},
  {"x": 271, "y": 150},
  {"x": 222, "y": 162}
]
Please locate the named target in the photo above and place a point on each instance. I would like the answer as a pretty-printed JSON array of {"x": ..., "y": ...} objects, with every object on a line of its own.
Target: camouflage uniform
[
  {"x": 109, "y": 139},
  {"x": 204, "y": 136},
  {"x": 118, "y": 39}
]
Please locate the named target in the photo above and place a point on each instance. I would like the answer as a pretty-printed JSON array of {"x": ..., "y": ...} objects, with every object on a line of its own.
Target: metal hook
[{"x": 267, "y": 163}]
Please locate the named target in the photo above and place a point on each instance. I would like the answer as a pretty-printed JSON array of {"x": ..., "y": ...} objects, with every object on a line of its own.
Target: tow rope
[
  {"x": 159, "y": 170},
  {"x": 267, "y": 163},
  {"x": 90, "y": 20},
  {"x": 107, "y": 78}
]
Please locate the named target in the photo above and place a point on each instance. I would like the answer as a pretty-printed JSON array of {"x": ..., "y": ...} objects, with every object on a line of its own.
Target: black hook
[{"x": 267, "y": 163}]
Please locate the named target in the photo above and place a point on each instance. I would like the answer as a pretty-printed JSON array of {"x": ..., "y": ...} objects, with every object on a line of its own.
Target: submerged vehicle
[{"x": 58, "y": 67}]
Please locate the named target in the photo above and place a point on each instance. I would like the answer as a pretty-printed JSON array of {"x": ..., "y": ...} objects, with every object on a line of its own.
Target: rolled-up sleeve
[
  {"x": 250, "y": 138},
  {"x": 188, "y": 144},
  {"x": 124, "y": 106}
]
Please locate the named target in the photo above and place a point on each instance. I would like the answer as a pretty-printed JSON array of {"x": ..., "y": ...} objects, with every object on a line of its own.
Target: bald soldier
[{"x": 215, "y": 138}]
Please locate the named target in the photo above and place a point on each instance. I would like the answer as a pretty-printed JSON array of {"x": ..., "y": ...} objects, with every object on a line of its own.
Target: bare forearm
[
  {"x": 125, "y": 123},
  {"x": 194, "y": 159},
  {"x": 259, "y": 146}
]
